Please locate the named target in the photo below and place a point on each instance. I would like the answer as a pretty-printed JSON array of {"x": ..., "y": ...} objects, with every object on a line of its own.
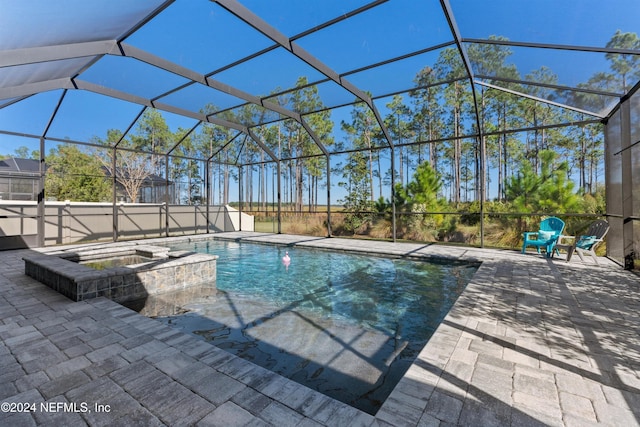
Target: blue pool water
[{"x": 346, "y": 325}]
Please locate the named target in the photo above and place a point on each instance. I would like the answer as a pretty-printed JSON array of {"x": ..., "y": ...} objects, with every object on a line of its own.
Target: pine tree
[{"x": 75, "y": 175}]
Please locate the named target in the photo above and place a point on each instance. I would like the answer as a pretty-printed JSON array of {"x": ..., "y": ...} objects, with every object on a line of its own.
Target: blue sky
[{"x": 200, "y": 35}]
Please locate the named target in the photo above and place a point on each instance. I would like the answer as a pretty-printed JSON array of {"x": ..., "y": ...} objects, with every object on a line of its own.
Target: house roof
[
  {"x": 14, "y": 165},
  {"x": 18, "y": 166}
]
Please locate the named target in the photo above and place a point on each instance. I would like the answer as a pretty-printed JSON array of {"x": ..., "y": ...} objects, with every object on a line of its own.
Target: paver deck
[{"x": 530, "y": 342}]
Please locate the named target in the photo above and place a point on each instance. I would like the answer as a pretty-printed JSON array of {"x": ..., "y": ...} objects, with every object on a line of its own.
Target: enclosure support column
[
  {"x": 240, "y": 198},
  {"x": 393, "y": 193},
  {"x": 274, "y": 158},
  {"x": 483, "y": 179},
  {"x": 115, "y": 195},
  {"x": 166, "y": 195},
  {"x": 279, "y": 200},
  {"x": 207, "y": 187},
  {"x": 40, "y": 211},
  {"x": 627, "y": 184},
  {"x": 446, "y": 7},
  {"x": 328, "y": 195}
]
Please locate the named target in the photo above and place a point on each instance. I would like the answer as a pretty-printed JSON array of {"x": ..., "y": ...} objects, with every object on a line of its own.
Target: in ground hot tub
[
  {"x": 120, "y": 261},
  {"x": 121, "y": 272}
]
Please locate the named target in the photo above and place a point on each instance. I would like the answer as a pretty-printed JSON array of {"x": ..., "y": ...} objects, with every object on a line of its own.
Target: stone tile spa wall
[{"x": 170, "y": 272}]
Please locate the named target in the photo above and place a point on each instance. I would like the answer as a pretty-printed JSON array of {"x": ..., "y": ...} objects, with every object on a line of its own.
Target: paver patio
[{"x": 531, "y": 341}]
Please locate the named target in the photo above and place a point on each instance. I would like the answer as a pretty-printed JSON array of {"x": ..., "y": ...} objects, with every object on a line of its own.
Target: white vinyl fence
[{"x": 73, "y": 222}]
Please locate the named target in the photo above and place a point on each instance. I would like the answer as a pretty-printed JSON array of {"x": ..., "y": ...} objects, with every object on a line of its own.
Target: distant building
[
  {"x": 19, "y": 179},
  {"x": 152, "y": 190}
]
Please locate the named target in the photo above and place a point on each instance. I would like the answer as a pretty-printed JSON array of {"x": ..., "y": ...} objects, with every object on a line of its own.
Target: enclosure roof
[{"x": 73, "y": 69}]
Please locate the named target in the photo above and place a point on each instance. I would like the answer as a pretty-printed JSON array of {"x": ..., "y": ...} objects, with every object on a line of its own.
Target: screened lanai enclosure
[{"x": 434, "y": 120}]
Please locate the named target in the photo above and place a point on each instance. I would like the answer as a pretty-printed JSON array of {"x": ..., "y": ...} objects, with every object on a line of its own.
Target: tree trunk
[
  {"x": 456, "y": 157},
  {"x": 299, "y": 185},
  {"x": 263, "y": 181},
  {"x": 379, "y": 174}
]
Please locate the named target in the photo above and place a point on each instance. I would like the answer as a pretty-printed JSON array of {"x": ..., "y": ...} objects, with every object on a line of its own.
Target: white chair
[{"x": 587, "y": 243}]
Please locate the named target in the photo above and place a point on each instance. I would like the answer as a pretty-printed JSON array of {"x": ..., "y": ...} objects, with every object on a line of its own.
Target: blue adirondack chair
[{"x": 550, "y": 229}]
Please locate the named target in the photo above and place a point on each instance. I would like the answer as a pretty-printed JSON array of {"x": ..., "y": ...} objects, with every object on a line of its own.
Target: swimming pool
[{"x": 346, "y": 325}]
